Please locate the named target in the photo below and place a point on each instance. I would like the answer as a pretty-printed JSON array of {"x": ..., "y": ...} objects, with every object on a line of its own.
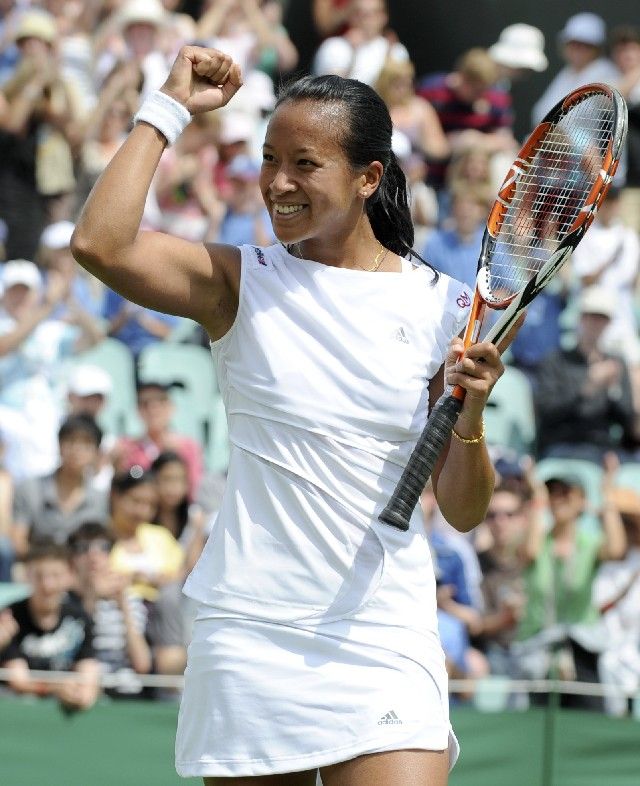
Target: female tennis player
[{"x": 316, "y": 645}]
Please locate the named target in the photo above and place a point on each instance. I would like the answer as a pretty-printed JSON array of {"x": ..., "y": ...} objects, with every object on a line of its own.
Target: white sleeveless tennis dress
[{"x": 316, "y": 638}]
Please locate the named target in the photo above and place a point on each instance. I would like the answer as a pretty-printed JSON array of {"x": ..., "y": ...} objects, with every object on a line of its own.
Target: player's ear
[{"x": 370, "y": 179}]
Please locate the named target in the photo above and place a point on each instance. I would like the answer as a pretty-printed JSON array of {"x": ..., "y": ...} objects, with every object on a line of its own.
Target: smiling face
[{"x": 306, "y": 181}]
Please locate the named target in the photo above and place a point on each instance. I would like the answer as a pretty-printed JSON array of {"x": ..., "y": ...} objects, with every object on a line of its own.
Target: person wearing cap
[
  {"x": 132, "y": 34},
  {"x": 562, "y": 561},
  {"x": 32, "y": 344},
  {"x": 39, "y": 122},
  {"x": 582, "y": 42},
  {"x": 84, "y": 303},
  {"x": 583, "y": 396}
]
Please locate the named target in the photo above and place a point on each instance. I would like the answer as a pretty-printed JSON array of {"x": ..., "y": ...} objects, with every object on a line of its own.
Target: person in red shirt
[{"x": 155, "y": 409}]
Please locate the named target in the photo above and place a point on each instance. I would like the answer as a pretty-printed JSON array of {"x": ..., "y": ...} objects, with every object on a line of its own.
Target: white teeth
[{"x": 286, "y": 209}]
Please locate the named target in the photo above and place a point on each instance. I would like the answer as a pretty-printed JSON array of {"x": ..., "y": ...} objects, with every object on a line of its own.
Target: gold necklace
[
  {"x": 380, "y": 257},
  {"x": 377, "y": 261}
]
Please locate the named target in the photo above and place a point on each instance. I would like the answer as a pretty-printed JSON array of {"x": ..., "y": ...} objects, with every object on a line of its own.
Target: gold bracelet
[{"x": 473, "y": 441}]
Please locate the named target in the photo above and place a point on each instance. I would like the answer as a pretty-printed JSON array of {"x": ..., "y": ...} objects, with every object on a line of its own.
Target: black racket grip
[{"x": 423, "y": 459}]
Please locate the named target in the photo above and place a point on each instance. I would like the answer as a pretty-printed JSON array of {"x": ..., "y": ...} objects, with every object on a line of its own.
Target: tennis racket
[{"x": 543, "y": 209}]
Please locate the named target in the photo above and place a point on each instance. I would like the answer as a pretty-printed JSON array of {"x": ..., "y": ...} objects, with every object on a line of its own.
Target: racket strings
[{"x": 550, "y": 192}]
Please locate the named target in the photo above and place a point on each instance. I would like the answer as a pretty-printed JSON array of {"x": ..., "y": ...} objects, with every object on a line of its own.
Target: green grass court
[{"x": 131, "y": 744}]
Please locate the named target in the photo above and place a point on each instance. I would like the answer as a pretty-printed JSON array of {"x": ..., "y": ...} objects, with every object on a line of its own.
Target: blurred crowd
[{"x": 103, "y": 511}]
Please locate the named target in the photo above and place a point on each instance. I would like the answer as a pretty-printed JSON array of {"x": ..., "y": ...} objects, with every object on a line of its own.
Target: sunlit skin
[{"x": 305, "y": 166}]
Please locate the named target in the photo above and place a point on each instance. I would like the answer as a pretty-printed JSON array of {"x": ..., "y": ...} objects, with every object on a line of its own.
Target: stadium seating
[{"x": 509, "y": 415}]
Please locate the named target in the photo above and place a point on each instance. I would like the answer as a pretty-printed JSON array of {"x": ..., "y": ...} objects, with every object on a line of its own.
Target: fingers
[
  {"x": 477, "y": 370},
  {"x": 211, "y": 64}
]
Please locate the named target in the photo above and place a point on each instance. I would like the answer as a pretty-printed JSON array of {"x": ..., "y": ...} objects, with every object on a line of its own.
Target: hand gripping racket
[{"x": 543, "y": 209}]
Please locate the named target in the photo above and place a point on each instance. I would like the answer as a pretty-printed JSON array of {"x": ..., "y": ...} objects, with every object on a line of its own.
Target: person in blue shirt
[
  {"x": 246, "y": 220},
  {"x": 455, "y": 250},
  {"x": 134, "y": 325}
]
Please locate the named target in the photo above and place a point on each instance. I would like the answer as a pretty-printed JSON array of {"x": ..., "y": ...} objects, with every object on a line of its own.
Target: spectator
[
  {"x": 37, "y": 126},
  {"x": 146, "y": 552},
  {"x": 581, "y": 393},
  {"x": 53, "y": 634},
  {"x": 625, "y": 52},
  {"x": 32, "y": 346},
  {"x": 134, "y": 325},
  {"x": 250, "y": 32},
  {"x": 137, "y": 25},
  {"x": 609, "y": 257},
  {"x": 188, "y": 204},
  {"x": 423, "y": 199},
  {"x": 519, "y": 50},
  {"x": 154, "y": 561},
  {"x": 246, "y": 220},
  {"x": 54, "y": 505},
  {"x": 7, "y": 551},
  {"x": 617, "y": 595},
  {"x": 560, "y": 615},
  {"x": 83, "y": 305},
  {"x": 106, "y": 126},
  {"x": 583, "y": 39},
  {"x": 175, "y": 511},
  {"x": 156, "y": 411},
  {"x": 88, "y": 390},
  {"x": 502, "y": 568},
  {"x": 455, "y": 251},
  {"x": 331, "y": 17},
  {"x": 364, "y": 48},
  {"x": 471, "y": 109},
  {"x": 119, "y": 619},
  {"x": 410, "y": 113}
]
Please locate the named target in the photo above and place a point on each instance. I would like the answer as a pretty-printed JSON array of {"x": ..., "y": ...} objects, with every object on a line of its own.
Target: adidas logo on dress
[
  {"x": 400, "y": 335},
  {"x": 390, "y": 719}
]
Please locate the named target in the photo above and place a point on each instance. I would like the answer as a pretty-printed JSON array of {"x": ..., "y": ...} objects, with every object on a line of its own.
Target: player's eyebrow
[{"x": 297, "y": 150}]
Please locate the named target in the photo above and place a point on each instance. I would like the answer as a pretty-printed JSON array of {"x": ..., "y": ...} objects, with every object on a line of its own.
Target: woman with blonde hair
[{"x": 410, "y": 113}]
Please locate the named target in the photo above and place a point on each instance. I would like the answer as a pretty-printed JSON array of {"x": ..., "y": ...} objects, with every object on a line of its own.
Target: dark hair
[
  {"x": 46, "y": 549},
  {"x": 80, "y": 424},
  {"x": 624, "y": 34},
  {"x": 89, "y": 530},
  {"x": 131, "y": 479},
  {"x": 366, "y": 137},
  {"x": 182, "y": 509}
]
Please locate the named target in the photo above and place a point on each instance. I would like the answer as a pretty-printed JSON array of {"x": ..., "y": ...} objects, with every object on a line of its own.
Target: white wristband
[{"x": 164, "y": 113}]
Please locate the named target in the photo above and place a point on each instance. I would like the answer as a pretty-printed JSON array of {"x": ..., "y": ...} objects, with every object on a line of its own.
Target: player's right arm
[{"x": 150, "y": 268}]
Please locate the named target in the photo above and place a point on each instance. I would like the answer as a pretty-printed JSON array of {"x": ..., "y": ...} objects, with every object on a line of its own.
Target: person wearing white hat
[
  {"x": 520, "y": 47},
  {"x": 32, "y": 345},
  {"x": 138, "y": 25},
  {"x": 86, "y": 295},
  {"x": 582, "y": 42}
]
